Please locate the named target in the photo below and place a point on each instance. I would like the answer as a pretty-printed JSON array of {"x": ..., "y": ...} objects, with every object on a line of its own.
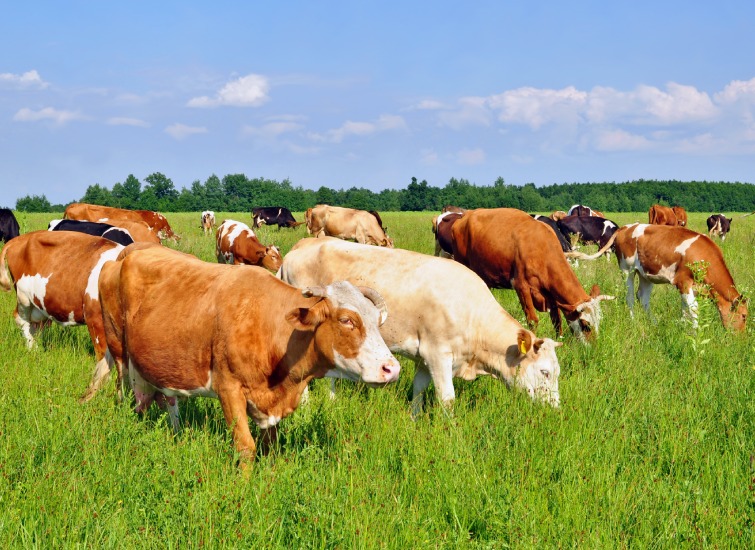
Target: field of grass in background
[{"x": 653, "y": 446}]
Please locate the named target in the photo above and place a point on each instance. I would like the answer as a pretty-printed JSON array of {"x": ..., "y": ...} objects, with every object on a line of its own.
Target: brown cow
[
  {"x": 662, "y": 215},
  {"x": 442, "y": 228},
  {"x": 681, "y": 215},
  {"x": 55, "y": 275},
  {"x": 667, "y": 255},
  {"x": 95, "y": 213},
  {"x": 346, "y": 223},
  {"x": 139, "y": 230},
  {"x": 266, "y": 341},
  {"x": 237, "y": 244},
  {"x": 510, "y": 249},
  {"x": 557, "y": 215}
]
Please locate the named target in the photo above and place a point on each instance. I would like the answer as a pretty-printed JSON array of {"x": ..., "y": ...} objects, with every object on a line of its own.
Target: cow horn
[
  {"x": 604, "y": 297},
  {"x": 374, "y": 296},
  {"x": 314, "y": 291}
]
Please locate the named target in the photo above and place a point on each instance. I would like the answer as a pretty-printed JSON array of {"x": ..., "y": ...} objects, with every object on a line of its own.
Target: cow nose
[{"x": 390, "y": 370}]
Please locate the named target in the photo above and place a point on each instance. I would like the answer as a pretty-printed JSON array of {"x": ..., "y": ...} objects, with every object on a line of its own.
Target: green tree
[{"x": 33, "y": 203}]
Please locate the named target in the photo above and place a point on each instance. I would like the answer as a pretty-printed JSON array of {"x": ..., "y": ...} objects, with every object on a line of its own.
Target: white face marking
[
  {"x": 94, "y": 275},
  {"x": 261, "y": 419},
  {"x": 682, "y": 248},
  {"x": 639, "y": 231},
  {"x": 53, "y": 224}
]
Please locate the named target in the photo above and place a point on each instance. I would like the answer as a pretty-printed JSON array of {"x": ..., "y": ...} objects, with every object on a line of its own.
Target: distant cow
[
  {"x": 441, "y": 315},
  {"x": 582, "y": 210},
  {"x": 95, "y": 213},
  {"x": 667, "y": 255},
  {"x": 104, "y": 230},
  {"x": 208, "y": 221},
  {"x": 719, "y": 225},
  {"x": 557, "y": 215},
  {"x": 662, "y": 215},
  {"x": 526, "y": 257},
  {"x": 681, "y": 215},
  {"x": 346, "y": 223},
  {"x": 8, "y": 225},
  {"x": 442, "y": 229},
  {"x": 273, "y": 215},
  {"x": 255, "y": 347},
  {"x": 587, "y": 229},
  {"x": 237, "y": 244},
  {"x": 562, "y": 239},
  {"x": 55, "y": 274}
]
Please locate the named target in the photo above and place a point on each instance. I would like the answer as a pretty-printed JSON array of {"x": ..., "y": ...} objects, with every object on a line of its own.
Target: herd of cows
[{"x": 256, "y": 327}]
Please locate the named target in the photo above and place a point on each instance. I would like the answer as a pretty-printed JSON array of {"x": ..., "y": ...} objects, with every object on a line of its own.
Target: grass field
[{"x": 653, "y": 446}]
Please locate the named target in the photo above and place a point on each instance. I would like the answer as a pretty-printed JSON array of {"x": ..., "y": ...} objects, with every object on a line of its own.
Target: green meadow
[{"x": 653, "y": 446}]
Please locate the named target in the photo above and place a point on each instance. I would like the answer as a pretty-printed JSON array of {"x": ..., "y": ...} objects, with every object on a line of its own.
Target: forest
[{"x": 238, "y": 193}]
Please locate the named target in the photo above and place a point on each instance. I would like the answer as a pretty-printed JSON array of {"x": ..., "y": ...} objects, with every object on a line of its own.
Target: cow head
[
  {"x": 346, "y": 323},
  {"x": 538, "y": 369},
  {"x": 271, "y": 258},
  {"x": 736, "y": 316},
  {"x": 587, "y": 316}
]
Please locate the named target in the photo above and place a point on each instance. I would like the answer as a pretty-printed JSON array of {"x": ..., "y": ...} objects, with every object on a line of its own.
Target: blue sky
[{"x": 370, "y": 94}]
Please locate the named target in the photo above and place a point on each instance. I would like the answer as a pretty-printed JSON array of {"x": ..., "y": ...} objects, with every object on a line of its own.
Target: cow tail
[
  {"x": 598, "y": 254},
  {"x": 5, "y": 280}
]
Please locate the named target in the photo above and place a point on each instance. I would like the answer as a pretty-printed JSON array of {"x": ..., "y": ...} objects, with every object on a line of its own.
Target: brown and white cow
[
  {"x": 346, "y": 223},
  {"x": 236, "y": 244},
  {"x": 266, "y": 342},
  {"x": 442, "y": 228},
  {"x": 667, "y": 255},
  {"x": 96, "y": 213},
  {"x": 510, "y": 249},
  {"x": 55, "y": 275},
  {"x": 662, "y": 215},
  {"x": 681, "y": 215},
  {"x": 719, "y": 226},
  {"x": 441, "y": 315},
  {"x": 208, "y": 221}
]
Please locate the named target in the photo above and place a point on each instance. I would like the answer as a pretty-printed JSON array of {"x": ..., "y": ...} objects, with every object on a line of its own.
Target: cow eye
[{"x": 346, "y": 321}]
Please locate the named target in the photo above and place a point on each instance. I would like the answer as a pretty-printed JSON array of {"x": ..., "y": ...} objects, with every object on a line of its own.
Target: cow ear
[
  {"x": 308, "y": 319},
  {"x": 523, "y": 341},
  {"x": 594, "y": 291}
]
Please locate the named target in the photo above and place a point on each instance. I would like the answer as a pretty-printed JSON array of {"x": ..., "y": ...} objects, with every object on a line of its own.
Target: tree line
[{"x": 237, "y": 193}]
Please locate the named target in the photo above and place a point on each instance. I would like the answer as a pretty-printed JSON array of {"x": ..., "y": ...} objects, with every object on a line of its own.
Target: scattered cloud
[
  {"x": 470, "y": 156},
  {"x": 126, "y": 121},
  {"x": 29, "y": 79},
  {"x": 428, "y": 156},
  {"x": 350, "y": 128},
  {"x": 248, "y": 91},
  {"x": 181, "y": 131},
  {"x": 620, "y": 140},
  {"x": 472, "y": 111},
  {"x": 48, "y": 113}
]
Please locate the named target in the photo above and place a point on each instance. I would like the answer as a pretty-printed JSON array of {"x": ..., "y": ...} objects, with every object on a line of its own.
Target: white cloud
[
  {"x": 429, "y": 105},
  {"x": 48, "y": 113},
  {"x": 472, "y": 111},
  {"x": 536, "y": 107},
  {"x": 737, "y": 90},
  {"x": 428, "y": 156},
  {"x": 182, "y": 131},
  {"x": 351, "y": 128},
  {"x": 272, "y": 129},
  {"x": 247, "y": 91},
  {"x": 126, "y": 121},
  {"x": 620, "y": 140},
  {"x": 29, "y": 79},
  {"x": 470, "y": 156}
]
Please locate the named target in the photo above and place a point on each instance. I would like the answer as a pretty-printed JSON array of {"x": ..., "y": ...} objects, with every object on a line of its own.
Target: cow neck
[{"x": 494, "y": 350}]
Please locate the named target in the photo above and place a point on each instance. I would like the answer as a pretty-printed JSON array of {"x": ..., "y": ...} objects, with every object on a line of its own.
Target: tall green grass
[{"x": 653, "y": 446}]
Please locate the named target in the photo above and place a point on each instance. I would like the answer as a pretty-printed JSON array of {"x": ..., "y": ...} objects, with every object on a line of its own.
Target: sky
[{"x": 370, "y": 94}]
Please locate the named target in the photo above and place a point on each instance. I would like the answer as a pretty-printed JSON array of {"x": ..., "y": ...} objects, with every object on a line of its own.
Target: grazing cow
[
  {"x": 346, "y": 223},
  {"x": 442, "y": 228},
  {"x": 237, "y": 244},
  {"x": 527, "y": 257},
  {"x": 208, "y": 221},
  {"x": 562, "y": 239},
  {"x": 719, "y": 225},
  {"x": 95, "y": 213},
  {"x": 662, "y": 215},
  {"x": 104, "y": 230},
  {"x": 581, "y": 210},
  {"x": 587, "y": 229},
  {"x": 557, "y": 215},
  {"x": 273, "y": 215},
  {"x": 681, "y": 215},
  {"x": 8, "y": 225},
  {"x": 55, "y": 274},
  {"x": 266, "y": 341},
  {"x": 668, "y": 255},
  {"x": 441, "y": 315}
]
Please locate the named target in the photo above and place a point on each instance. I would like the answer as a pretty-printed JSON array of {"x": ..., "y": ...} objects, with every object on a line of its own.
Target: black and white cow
[
  {"x": 719, "y": 225},
  {"x": 8, "y": 225},
  {"x": 588, "y": 229},
  {"x": 273, "y": 215},
  {"x": 96, "y": 229}
]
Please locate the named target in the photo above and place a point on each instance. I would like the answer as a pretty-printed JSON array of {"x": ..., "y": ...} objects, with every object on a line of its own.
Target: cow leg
[
  {"x": 28, "y": 329},
  {"x": 630, "y": 293},
  {"x": 440, "y": 366},
  {"x": 420, "y": 383},
  {"x": 268, "y": 438},
  {"x": 233, "y": 402},
  {"x": 689, "y": 303},
  {"x": 171, "y": 404},
  {"x": 643, "y": 293},
  {"x": 144, "y": 392},
  {"x": 525, "y": 299}
]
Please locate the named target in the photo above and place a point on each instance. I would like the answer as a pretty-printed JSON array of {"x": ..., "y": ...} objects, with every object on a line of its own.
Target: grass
[{"x": 654, "y": 444}]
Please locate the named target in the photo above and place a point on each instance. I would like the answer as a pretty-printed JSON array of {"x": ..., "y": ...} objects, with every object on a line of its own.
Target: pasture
[{"x": 653, "y": 446}]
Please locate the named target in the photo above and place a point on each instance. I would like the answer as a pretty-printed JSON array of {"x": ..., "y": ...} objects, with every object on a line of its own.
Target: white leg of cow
[
  {"x": 420, "y": 383},
  {"x": 689, "y": 307},
  {"x": 643, "y": 293},
  {"x": 630, "y": 293},
  {"x": 332, "y": 383},
  {"x": 442, "y": 373},
  {"x": 27, "y": 329}
]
